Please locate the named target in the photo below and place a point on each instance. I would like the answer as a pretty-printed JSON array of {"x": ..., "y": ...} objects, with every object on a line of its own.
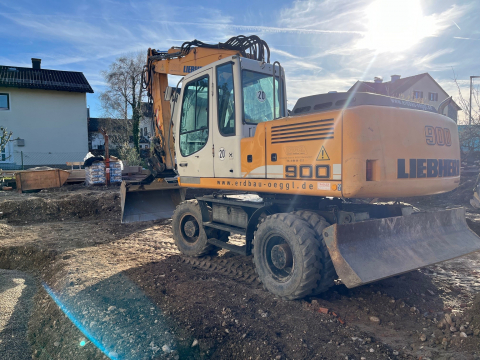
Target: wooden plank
[
  {"x": 40, "y": 179},
  {"x": 76, "y": 176}
]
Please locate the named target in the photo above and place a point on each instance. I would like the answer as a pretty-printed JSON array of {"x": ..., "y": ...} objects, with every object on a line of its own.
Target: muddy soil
[{"x": 122, "y": 291}]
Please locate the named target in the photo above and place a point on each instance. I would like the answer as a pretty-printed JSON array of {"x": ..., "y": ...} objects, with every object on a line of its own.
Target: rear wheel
[
  {"x": 188, "y": 232},
  {"x": 327, "y": 270},
  {"x": 286, "y": 256}
]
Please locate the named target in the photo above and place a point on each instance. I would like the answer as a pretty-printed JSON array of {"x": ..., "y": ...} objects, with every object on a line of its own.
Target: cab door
[
  {"x": 226, "y": 120},
  {"x": 195, "y": 140}
]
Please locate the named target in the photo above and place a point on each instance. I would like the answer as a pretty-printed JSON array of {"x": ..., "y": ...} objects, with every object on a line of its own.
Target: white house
[
  {"x": 46, "y": 110},
  {"x": 421, "y": 88}
]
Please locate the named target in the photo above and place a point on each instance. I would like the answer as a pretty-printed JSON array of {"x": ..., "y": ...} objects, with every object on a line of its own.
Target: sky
[{"x": 323, "y": 45}]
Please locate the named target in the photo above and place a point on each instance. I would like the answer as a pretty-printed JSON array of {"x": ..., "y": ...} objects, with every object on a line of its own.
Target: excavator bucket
[
  {"x": 367, "y": 251},
  {"x": 146, "y": 202}
]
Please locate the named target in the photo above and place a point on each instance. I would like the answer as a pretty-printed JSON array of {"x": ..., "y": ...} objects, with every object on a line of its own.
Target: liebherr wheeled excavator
[{"x": 289, "y": 181}]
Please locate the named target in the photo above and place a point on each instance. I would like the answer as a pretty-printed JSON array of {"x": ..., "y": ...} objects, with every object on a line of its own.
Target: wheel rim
[
  {"x": 278, "y": 257},
  {"x": 189, "y": 228}
]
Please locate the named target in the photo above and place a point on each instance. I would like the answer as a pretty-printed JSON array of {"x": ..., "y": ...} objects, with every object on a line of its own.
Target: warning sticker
[
  {"x": 323, "y": 186},
  {"x": 322, "y": 155},
  {"x": 261, "y": 96}
]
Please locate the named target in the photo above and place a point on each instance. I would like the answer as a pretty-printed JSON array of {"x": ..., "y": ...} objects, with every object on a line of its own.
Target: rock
[
  {"x": 371, "y": 350},
  {"x": 315, "y": 302},
  {"x": 462, "y": 328},
  {"x": 278, "y": 357},
  {"x": 375, "y": 319},
  {"x": 476, "y": 332},
  {"x": 444, "y": 343},
  {"x": 395, "y": 352},
  {"x": 441, "y": 324},
  {"x": 423, "y": 337},
  {"x": 56, "y": 343},
  {"x": 195, "y": 343},
  {"x": 413, "y": 309},
  {"x": 463, "y": 335},
  {"x": 453, "y": 329},
  {"x": 431, "y": 292},
  {"x": 110, "y": 308},
  {"x": 448, "y": 319},
  {"x": 166, "y": 348}
]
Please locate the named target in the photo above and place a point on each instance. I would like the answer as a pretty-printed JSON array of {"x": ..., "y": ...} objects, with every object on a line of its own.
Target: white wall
[{"x": 52, "y": 123}]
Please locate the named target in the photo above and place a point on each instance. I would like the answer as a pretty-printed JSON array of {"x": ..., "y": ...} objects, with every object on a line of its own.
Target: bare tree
[
  {"x": 124, "y": 94},
  {"x": 4, "y": 138}
]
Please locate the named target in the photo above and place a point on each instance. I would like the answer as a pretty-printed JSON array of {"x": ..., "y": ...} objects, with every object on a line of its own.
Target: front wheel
[
  {"x": 188, "y": 232},
  {"x": 286, "y": 256}
]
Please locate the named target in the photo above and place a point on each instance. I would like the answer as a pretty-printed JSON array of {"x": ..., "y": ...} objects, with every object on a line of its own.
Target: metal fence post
[{"x": 21, "y": 153}]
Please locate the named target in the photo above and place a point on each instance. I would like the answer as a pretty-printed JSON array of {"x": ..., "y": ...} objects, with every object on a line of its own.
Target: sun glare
[{"x": 395, "y": 25}]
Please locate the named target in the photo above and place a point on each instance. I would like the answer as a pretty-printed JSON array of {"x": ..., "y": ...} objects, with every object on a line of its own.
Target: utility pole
[{"x": 470, "y": 109}]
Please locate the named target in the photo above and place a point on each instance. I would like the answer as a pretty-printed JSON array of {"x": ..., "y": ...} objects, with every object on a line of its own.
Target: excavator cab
[{"x": 212, "y": 109}]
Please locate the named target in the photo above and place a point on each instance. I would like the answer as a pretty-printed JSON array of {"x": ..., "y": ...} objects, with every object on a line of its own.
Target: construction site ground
[{"x": 78, "y": 284}]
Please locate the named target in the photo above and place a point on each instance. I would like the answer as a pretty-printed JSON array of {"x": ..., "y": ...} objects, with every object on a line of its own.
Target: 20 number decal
[
  {"x": 221, "y": 153},
  {"x": 261, "y": 96}
]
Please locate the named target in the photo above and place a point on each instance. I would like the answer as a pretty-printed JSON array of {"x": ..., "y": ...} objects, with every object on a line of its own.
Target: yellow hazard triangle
[{"x": 322, "y": 155}]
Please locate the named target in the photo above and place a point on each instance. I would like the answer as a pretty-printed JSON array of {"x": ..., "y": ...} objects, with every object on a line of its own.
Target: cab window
[
  {"x": 194, "y": 120},
  {"x": 258, "y": 97},
  {"x": 226, "y": 99}
]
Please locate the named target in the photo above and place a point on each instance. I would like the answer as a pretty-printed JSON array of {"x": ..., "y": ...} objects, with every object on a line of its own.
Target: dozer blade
[
  {"x": 148, "y": 202},
  {"x": 367, "y": 251}
]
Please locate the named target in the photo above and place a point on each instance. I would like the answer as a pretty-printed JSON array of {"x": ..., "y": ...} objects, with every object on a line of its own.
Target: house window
[
  {"x": 433, "y": 96},
  {"x": 4, "y": 102},
  {"x": 145, "y": 133},
  {"x": 141, "y": 132},
  {"x": 418, "y": 94}
]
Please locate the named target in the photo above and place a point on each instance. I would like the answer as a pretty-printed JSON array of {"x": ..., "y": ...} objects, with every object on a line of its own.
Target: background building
[
  {"x": 421, "y": 88},
  {"x": 47, "y": 112}
]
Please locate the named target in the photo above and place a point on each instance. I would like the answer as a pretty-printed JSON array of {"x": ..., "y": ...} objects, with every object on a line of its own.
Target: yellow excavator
[{"x": 289, "y": 180}]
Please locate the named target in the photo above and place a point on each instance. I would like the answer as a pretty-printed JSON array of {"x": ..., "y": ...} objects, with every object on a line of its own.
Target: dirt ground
[{"x": 122, "y": 291}]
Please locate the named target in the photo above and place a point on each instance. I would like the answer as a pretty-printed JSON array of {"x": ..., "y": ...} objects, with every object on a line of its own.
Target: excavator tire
[
  {"x": 189, "y": 234},
  {"x": 327, "y": 270},
  {"x": 287, "y": 256}
]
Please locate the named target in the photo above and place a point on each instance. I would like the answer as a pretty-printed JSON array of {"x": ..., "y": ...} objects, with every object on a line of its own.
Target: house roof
[
  {"x": 396, "y": 88},
  {"x": 21, "y": 77},
  {"x": 112, "y": 126}
]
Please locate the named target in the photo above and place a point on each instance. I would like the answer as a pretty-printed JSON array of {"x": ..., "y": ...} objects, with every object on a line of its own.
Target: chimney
[
  {"x": 395, "y": 78},
  {"x": 377, "y": 80},
  {"x": 36, "y": 64}
]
